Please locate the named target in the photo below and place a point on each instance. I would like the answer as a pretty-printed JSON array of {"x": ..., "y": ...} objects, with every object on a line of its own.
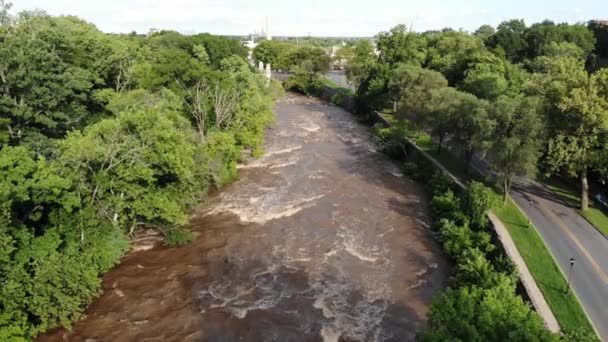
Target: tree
[
  {"x": 489, "y": 77},
  {"x": 517, "y": 138},
  {"x": 217, "y": 48},
  {"x": 475, "y": 269},
  {"x": 478, "y": 200},
  {"x": 201, "y": 54},
  {"x": 401, "y": 46},
  {"x": 137, "y": 167},
  {"x": 600, "y": 31},
  {"x": 484, "y": 314},
  {"x": 509, "y": 37},
  {"x": 473, "y": 127},
  {"x": 49, "y": 69},
  {"x": 275, "y": 53},
  {"x": 580, "y": 144},
  {"x": 358, "y": 68},
  {"x": 441, "y": 112},
  {"x": 484, "y": 32},
  {"x": 451, "y": 52},
  {"x": 411, "y": 87},
  {"x": 539, "y": 36},
  {"x": 343, "y": 56}
]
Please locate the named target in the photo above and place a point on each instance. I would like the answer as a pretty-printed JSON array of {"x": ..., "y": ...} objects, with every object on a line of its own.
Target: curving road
[{"x": 569, "y": 235}]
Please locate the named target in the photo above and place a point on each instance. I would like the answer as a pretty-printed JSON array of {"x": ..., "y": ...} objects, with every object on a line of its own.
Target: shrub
[
  {"x": 439, "y": 183},
  {"x": 447, "y": 206},
  {"x": 177, "y": 237},
  {"x": 474, "y": 313},
  {"x": 475, "y": 269},
  {"x": 478, "y": 200},
  {"x": 459, "y": 238},
  {"x": 337, "y": 99}
]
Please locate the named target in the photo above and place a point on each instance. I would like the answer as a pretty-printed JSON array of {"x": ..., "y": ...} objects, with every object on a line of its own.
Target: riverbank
[{"x": 321, "y": 238}]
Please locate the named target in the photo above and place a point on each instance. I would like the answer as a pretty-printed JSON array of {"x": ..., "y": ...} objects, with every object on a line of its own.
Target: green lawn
[
  {"x": 596, "y": 216},
  {"x": 565, "y": 306}
]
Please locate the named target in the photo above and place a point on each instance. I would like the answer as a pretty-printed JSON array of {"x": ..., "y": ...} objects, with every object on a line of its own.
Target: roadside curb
[
  {"x": 557, "y": 264},
  {"x": 536, "y": 296},
  {"x": 534, "y": 293}
]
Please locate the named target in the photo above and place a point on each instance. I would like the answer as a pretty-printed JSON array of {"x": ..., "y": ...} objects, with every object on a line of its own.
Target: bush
[
  {"x": 475, "y": 269},
  {"x": 478, "y": 200},
  {"x": 337, "y": 99},
  {"x": 459, "y": 238},
  {"x": 472, "y": 313},
  {"x": 440, "y": 183},
  {"x": 177, "y": 237},
  {"x": 447, "y": 206}
]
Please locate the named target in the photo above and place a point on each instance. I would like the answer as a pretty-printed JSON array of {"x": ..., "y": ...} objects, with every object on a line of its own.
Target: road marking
[{"x": 576, "y": 241}]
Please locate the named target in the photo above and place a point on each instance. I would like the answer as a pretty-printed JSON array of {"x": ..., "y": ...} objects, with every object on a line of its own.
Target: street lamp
[{"x": 569, "y": 275}]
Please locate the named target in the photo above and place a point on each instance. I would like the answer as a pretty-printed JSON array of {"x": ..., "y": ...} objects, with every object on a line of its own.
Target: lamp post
[{"x": 569, "y": 275}]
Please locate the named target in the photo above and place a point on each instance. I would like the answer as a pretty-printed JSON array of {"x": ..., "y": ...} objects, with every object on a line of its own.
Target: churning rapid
[{"x": 321, "y": 239}]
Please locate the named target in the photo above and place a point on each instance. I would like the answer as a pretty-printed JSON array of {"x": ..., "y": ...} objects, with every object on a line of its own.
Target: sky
[{"x": 312, "y": 17}]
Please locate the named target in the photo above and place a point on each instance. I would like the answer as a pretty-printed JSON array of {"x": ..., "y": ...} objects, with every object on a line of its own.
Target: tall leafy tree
[
  {"x": 580, "y": 144},
  {"x": 399, "y": 45},
  {"x": 473, "y": 126},
  {"x": 517, "y": 138},
  {"x": 510, "y": 38},
  {"x": 411, "y": 87}
]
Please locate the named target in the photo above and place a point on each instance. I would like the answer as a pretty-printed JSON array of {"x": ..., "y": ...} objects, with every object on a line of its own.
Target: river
[{"x": 321, "y": 239}]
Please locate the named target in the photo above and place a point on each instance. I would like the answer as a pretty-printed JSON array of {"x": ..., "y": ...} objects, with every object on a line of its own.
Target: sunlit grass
[{"x": 565, "y": 306}]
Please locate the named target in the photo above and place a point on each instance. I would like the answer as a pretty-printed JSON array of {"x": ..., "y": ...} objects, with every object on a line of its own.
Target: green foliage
[
  {"x": 541, "y": 36},
  {"x": 447, "y": 206},
  {"x": 477, "y": 201},
  {"x": 440, "y": 183},
  {"x": 400, "y": 46},
  {"x": 509, "y": 37},
  {"x": 475, "y": 269},
  {"x": 175, "y": 237},
  {"x": 458, "y": 238},
  {"x": 96, "y": 142},
  {"x": 474, "y": 313},
  {"x": 517, "y": 143},
  {"x": 411, "y": 87}
]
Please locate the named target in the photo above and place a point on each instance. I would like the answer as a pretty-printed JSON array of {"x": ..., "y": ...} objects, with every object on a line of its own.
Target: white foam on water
[
  {"x": 396, "y": 174},
  {"x": 322, "y": 305},
  {"x": 285, "y": 150},
  {"x": 330, "y": 334},
  {"x": 281, "y": 165},
  {"x": 258, "y": 213},
  {"x": 355, "y": 251},
  {"x": 423, "y": 223}
]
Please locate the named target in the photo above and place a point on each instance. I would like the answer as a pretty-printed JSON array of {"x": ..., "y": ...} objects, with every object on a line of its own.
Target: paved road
[{"x": 568, "y": 235}]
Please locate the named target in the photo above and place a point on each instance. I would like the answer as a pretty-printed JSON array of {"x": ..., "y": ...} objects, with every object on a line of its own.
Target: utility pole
[{"x": 569, "y": 275}]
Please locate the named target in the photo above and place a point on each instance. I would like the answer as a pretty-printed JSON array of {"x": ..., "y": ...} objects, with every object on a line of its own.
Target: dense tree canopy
[{"x": 102, "y": 135}]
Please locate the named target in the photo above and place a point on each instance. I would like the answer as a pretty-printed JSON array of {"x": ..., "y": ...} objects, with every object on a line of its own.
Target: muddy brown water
[{"x": 321, "y": 239}]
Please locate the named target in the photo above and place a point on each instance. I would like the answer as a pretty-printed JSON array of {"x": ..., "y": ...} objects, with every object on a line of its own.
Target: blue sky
[{"x": 317, "y": 17}]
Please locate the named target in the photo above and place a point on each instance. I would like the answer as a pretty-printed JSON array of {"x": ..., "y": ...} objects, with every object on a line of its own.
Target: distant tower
[{"x": 268, "y": 36}]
